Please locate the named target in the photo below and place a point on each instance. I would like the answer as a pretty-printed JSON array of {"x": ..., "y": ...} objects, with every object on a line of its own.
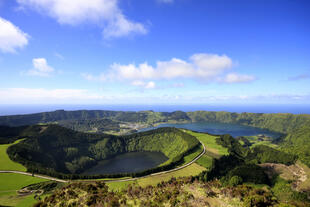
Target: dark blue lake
[
  {"x": 234, "y": 130},
  {"x": 128, "y": 163}
]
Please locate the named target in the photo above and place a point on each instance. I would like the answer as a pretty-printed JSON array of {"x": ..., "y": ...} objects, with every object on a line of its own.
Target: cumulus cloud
[
  {"x": 104, "y": 13},
  {"x": 40, "y": 68},
  {"x": 200, "y": 67},
  {"x": 11, "y": 37}
]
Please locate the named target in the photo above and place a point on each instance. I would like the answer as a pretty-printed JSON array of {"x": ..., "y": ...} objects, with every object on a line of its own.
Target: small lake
[
  {"x": 128, "y": 163},
  {"x": 234, "y": 130}
]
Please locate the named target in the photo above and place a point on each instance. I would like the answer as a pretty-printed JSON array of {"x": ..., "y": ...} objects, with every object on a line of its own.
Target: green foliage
[
  {"x": 233, "y": 145},
  {"x": 96, "y": 125},
  {"x": 235, "y": 180},
  {"x": 87, "y": 119},
  {"x": 283, "y": 190},
  {"x": 279, "y": 122},
  {"x": 298, "y": 143},
  {"x": 54, "y": 149},
  {"x": 248, "y": 173},
  {"x": 264, "y": 154}
]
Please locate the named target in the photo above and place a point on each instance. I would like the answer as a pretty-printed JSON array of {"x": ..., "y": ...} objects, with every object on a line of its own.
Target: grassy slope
[
  {"x": 210, "y": 143},
  {"x": 117, "y": 186},
  {"x": 191, "y": 170},
  {"x": 5, "y": 162},
  {"x": 298, "y": 143},
  {"x": 10, "y": 183}
]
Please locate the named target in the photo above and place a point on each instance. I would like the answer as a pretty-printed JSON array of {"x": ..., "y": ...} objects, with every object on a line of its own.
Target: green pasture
[
  {"x": 210, "y": 143},
  {"x": 10, "y": 183},
  {"x": 191, "y": 170},
  {"x": 5, "y": 162}
]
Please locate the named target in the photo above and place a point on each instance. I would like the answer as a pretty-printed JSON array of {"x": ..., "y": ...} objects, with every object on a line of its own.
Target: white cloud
[
  {"x": 40, "y": 68},
  {"x": 11, "y": 37},
  {"x": 237, "y": 78},
  {"x": 146, "y": 85},
  {"x": 104, "y": 13},
  {"x": 201, "y": 67}
]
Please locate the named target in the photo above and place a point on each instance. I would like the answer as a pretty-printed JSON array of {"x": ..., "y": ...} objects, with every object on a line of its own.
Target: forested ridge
[
  {"x": 52, "y": 149},
  {"x": 279, "y": 122}
]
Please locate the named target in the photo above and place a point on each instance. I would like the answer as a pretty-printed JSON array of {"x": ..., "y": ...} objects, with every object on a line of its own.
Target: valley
[{"x": 196, "y": 157}]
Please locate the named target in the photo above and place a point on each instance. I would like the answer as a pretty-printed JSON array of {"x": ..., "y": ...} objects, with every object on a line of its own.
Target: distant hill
[{"x": 278, "y": 122}]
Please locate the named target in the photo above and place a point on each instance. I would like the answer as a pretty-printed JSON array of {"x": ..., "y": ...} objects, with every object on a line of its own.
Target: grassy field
[
  {"x": 193, "y": 169},
  {"x": 255, "y": 141},
  {"x": 205, "y": 161},
  {"x": 116, "y": 186},
  {"x": 209, "y": 141},
  {"x": 10, "y": 183},
  {"x": 5, "y": 162}
]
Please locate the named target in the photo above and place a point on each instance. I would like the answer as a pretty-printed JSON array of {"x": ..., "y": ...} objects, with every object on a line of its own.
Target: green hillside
[
  {"x": 279, "y": 122},
  {"x": 51, "y": 148},
  {"x": 5, "y": 162},
  {"x": 298, "y": 142}
]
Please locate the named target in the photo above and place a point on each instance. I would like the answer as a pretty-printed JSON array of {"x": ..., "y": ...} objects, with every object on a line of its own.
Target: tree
[{"x": 235, "y": 180}]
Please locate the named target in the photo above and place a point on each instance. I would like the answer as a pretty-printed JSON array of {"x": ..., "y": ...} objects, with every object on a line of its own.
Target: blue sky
[{"x": 154, "y": 52}]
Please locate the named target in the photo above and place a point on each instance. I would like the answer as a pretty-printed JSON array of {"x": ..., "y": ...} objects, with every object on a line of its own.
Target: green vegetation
[
  {"x": 279, "y": 122},
  {"x": 51, "y": 149},
  {"x": 5, "y": 162},
  {"x": 265, "y": 154},
  {"x": 298, "y": 143},
  {"x": 253, "y": 141},
  {"x": 10, "y": 183},
  {"x": 191, "y": 170},
  {"x": 205, "y": 161},
  {"x": 174, "y": 192},
  {"x": 192, "y": 155},
  {"x": 251, "y": 171},
  {"x": 118, "y": 186},
  {"x": 93, "y": 125},
  {"x": 210, "y": 143},
  {"x": 283, "y": 191}
]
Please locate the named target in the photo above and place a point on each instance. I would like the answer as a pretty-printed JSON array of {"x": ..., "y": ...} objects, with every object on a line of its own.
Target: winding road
[{"x": 109, "y": 181}]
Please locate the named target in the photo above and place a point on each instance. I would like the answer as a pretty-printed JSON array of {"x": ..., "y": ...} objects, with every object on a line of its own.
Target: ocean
[{"x": 15, "y": 109}]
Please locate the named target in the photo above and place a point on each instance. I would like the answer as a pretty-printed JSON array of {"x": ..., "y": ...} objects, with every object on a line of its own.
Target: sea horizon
[{"x": 21, "y": 109}]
